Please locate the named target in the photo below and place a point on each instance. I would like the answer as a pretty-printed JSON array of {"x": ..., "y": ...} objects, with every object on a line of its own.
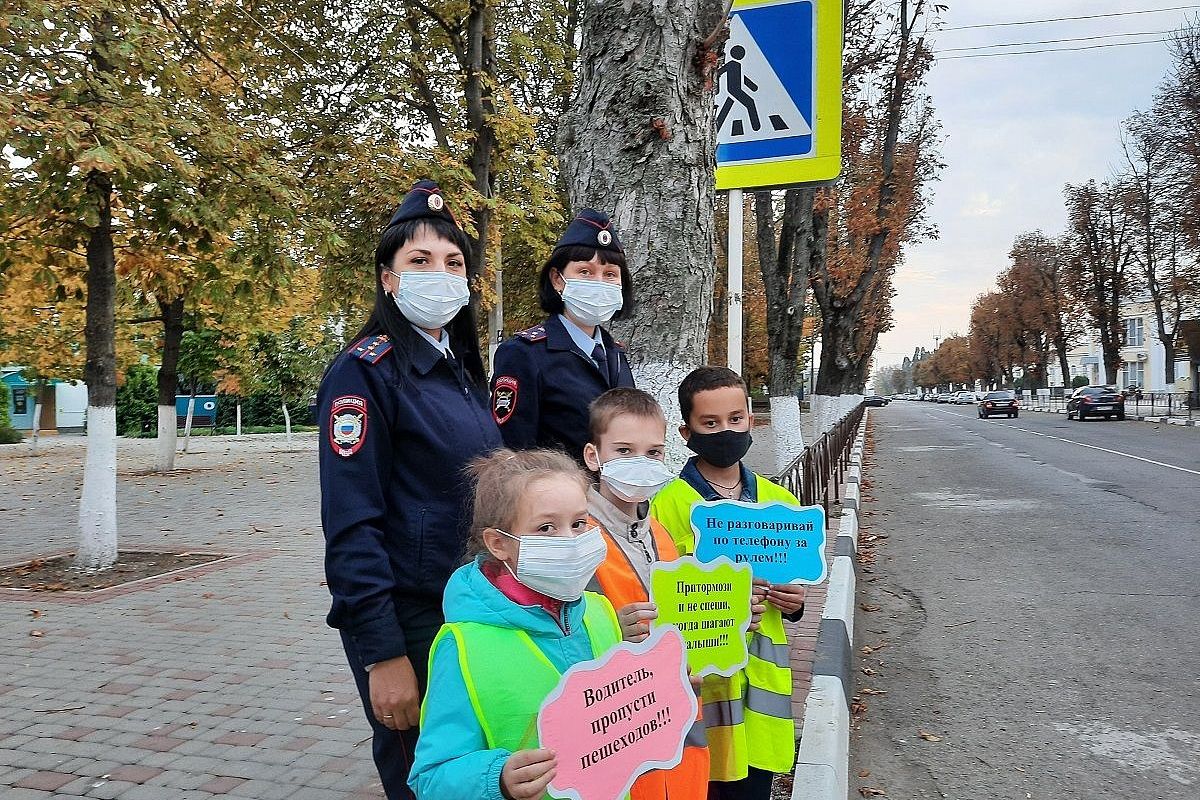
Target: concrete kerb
[{"x": 823, "y": 760}]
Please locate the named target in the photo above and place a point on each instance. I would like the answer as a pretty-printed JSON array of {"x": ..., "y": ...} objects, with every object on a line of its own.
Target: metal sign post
[
  {"x": 779, "y": 113},
  {"x": 734, "y": 317}
]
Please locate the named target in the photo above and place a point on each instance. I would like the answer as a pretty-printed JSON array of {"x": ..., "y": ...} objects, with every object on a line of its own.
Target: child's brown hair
[
  {"x": 501, "y": 478},
  {"x": 610, "y": 405}
]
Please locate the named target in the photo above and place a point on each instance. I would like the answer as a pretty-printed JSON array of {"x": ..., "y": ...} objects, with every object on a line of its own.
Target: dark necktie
[{"x": 601, "y": 358}]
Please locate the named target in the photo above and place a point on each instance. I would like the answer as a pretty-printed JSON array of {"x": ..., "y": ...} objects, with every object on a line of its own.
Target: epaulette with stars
[
  {"x": 535, "y": 334},
  {"x": 372, "y": 348}
]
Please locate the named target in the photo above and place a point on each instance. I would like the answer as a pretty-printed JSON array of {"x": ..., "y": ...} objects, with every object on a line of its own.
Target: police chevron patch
[
  {"x": 347, "y": 425},
  {"x": 504, "y": 399}
]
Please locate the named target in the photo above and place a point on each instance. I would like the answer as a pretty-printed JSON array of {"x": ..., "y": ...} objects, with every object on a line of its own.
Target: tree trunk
[
  {"x": 187, "y": 421},
  {"x": 168, "y": 382},
  {"x": 638, "y": 140},
  {"x": 480, "y": 106},
  {"x": 98, "y": 501},
  {"x": 784, "y": 269},
  {"x": 287, "y": 421},
  {"x": 38, "y": 388}
]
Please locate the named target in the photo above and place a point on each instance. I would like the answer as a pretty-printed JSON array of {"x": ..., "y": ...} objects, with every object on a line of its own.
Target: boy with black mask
[{"x": 751, "y": 734}]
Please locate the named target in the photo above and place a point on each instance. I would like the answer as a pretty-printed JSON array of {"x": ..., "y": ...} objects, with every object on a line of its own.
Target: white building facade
[{"x": 1143, "y": 357}]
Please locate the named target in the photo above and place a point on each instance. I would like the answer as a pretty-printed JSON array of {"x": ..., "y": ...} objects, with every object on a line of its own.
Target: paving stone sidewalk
[{"x": 220, "y": 681}]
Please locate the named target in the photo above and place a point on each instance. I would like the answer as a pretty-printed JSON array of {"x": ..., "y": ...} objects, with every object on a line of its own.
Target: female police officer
[
  {"x": 547, "y": 376},
  {"x": 404, "y": 409}
]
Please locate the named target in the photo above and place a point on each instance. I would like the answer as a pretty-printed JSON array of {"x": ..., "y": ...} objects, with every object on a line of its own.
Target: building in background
[
  {"x": 63, "y": 404},
  {"x": 1143, "y": 357}
]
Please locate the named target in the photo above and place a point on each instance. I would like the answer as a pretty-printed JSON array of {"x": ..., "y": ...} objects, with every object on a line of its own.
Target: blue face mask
[
  {"x": 430, "y": 299},
  {"x": 558, "y": 566}
]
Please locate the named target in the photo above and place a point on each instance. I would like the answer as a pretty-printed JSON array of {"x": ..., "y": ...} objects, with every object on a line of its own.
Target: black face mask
[{"x": 721, "y": 449}]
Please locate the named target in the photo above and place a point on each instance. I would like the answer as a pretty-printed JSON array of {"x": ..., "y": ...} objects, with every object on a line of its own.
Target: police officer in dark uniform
[
  {"x": 404, "y": 409},
  {"x": 546, "y": 377}
]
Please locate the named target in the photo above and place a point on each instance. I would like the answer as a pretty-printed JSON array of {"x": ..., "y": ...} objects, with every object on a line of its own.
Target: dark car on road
[
  {"x": 999, "y": 403},
  {"x": 1096, "y": 401},
  {"x": 876, "y": 401}
]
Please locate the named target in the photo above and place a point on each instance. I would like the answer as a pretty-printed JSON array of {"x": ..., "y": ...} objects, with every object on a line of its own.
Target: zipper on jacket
[{"x": 633, "y": 536}]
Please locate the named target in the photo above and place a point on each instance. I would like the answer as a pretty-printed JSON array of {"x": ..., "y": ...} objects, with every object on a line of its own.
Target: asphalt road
[{"x": 1038, "y": 595}]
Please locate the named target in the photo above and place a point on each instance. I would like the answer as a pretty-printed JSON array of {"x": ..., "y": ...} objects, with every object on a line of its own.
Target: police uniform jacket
[
  {"x": 543, "y": 385},
  {"x": 394, "y": 501}
]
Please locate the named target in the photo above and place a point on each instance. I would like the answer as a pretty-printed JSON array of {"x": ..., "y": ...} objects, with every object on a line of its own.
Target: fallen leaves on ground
[
  {"x": 36, "y": 634},
  {"x": 869, "y": 607},
  {"x": 929, "y": 737},
  {"x": 35, "y": 612},
  {"x": 871, "y": 791},
  {"x": 873, "y": 691}
]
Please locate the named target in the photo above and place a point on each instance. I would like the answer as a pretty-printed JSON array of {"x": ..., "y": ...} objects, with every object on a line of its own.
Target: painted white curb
[
  {"x": 824, "y": 758},
  {"x": 854, "y": 474},
  {"x": 850, "y": 497}
]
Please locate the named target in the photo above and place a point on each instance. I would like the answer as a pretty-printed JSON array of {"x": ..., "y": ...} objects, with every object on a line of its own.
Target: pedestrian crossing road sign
[{"x": 779, "y": 95}]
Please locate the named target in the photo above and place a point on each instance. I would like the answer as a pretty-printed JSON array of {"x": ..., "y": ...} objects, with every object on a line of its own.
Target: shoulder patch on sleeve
[
  {"x": 371, "y": 349},
  {"x": 347, "y": 424},
  {"x": 534, "y": 334},
  {"x": 504, "y": 399}
]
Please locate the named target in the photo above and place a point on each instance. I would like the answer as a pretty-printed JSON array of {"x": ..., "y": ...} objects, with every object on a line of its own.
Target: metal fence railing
[
  {"x": 1138, "y": 404},
  {"x": 821, "y": 467}
]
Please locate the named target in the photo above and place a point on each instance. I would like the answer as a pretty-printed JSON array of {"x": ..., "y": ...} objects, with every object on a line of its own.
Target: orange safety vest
[{"x": 621, "y": 584}]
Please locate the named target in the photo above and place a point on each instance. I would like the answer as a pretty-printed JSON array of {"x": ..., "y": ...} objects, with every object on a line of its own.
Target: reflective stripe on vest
[{"x": 763, "y": 648}]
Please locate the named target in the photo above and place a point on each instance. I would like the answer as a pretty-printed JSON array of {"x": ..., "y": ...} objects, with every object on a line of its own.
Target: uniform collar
[
  {"x": 691, "y": 474},
  {"x": 559, "y": 337},
  {"x": 579, "y": 336},
  {"x": 423, "y": 353},
  {"x": 442, "y": 345}
]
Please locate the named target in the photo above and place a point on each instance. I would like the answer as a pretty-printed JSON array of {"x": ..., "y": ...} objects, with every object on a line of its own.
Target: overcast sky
[{"x": 1016, "y": 129}]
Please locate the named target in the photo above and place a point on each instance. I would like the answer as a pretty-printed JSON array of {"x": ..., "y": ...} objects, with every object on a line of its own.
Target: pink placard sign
[{"x": 618, "y": 717}]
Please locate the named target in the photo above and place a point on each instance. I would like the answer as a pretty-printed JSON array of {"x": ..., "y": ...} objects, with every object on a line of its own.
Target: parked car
[
  {"x": 963, "y": 398},
  {"x": 943, "y": 397},
  {"x": 1001, "y": 402},
  {"x": 875, "y": 400},
  {"x": 1096, "y": 401}
]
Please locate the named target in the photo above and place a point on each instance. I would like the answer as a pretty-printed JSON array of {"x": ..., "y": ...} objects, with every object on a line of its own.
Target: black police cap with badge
[
  {"x": 591, "y": 228},
  {"x": 423, "y": 201}
]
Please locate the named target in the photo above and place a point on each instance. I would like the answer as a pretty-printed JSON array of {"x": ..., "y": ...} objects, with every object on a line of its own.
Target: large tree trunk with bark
[
  {"x": 638, "y": 142},
  {"x": 480, "y": 106},
  {"x": 98, "y": 503},
  {"x": 784, "y": 264},
  {"x": 168, "y": 382}
]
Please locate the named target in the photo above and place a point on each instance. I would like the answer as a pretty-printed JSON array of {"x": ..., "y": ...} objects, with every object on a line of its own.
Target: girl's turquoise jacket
[{"x": 452, "y": 760}]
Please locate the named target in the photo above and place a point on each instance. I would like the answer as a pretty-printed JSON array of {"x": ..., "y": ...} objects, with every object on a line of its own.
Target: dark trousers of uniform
[
  {"x": 755, "y": 786},
  {"x": 394, "y": 750}
]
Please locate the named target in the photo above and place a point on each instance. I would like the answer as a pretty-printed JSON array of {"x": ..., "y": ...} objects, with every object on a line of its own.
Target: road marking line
[{"x": 1089, "y": 446}]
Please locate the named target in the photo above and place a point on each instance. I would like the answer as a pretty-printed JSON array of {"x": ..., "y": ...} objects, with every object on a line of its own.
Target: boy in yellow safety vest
[{"x": 751, "y": 733}]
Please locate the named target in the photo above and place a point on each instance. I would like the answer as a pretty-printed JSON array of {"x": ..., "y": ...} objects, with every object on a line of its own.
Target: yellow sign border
[{"x": 825, "y": 163}]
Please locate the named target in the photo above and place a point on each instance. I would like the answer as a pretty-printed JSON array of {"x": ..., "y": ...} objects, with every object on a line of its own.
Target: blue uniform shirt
[
  {"x": 544, "y": 383},
  {"x": 394, "y": 501}
]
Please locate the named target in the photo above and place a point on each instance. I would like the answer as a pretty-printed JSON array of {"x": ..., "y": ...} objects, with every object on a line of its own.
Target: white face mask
[
  {"x": 636, "y": 478},
  {"x": 559, "y": 566},
  {"x": 430, "y": 299},
  {"x": 592, "y": 302}
]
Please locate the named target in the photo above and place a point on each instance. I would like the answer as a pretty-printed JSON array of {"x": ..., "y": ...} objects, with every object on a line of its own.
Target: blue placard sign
[{"x": 780, "y": 542}]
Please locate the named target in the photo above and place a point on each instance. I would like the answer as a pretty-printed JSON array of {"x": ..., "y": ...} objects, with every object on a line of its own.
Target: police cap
[
  {"x": 424, "y": 201},
  {"x": 591, "y": 229}
]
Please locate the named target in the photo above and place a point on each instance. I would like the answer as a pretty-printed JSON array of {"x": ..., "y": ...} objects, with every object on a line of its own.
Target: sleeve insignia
[
  {"x": 347, "y": 425},
  {"x": 535, "y": 334},
  {"x": 504, "y": 399},
  {"x": 371, "y": 349}
]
